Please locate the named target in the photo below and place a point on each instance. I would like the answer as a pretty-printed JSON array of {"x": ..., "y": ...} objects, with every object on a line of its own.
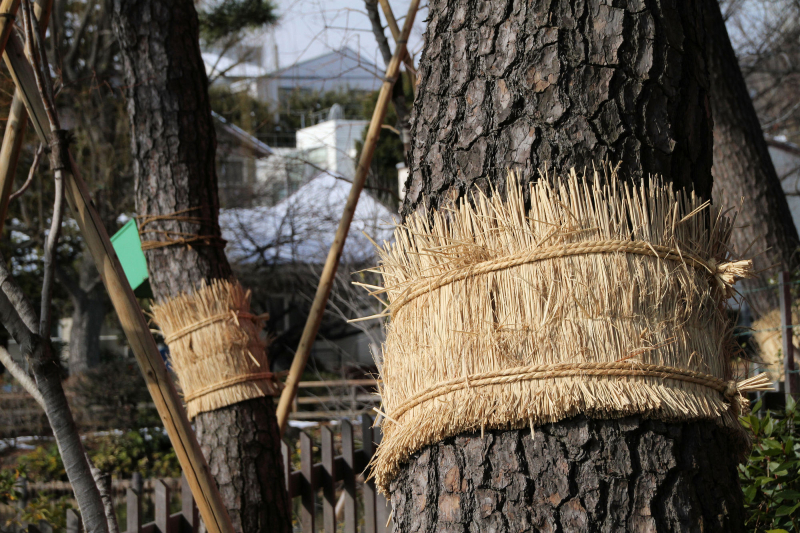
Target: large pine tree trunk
[
  {"x": 558, "y": 84},
  {"x": 173, "y": 145},
  {"x": 743, "y": 169}
]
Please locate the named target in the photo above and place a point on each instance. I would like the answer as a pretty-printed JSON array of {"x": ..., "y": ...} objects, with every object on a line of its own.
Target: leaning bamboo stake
[
  {"x": 395, "y": 29},
  {"x": 134, "y": 324},
  {"x": 8, "y": 12},
  {"x": 159, "y": 383},
  {"x": 335, "y": 253},
  {"x": 9, "y": 153},
  {"x": 14, "y": 135}
]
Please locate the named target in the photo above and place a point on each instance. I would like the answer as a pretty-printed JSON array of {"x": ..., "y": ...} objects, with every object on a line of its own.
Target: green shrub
[
  {"x": 8, "y": 489},
  {"x": 148, "y": 452},
  {"x": 771, "y": 477},
  {"x": 45, "y": 507},
  {"x": 43, "y": 464}
]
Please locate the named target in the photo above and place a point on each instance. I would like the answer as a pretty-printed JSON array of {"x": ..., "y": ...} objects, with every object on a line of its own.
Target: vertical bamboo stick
[
  {"x": 16, "y": 125},
  {"x": 8, "y": 12},
  {"x": 335, "y": 253},
  {"x": 9, "y": 153},
  {"x": 134, "y": 324}
]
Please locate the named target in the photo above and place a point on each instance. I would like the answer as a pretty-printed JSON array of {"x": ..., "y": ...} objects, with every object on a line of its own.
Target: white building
[
  {"x": 339, "y": 70},
  {"x": 330, "y": 146},
  {"x": 243, "y": 69}
]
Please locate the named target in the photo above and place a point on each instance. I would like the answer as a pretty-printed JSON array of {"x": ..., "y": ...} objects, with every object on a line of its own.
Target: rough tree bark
[
  {"x": 524, "y": 85},
  {"x": 173, "y": 143},
  {"x": 743, "y": 169},
  {"x": 510, "y": 85}
]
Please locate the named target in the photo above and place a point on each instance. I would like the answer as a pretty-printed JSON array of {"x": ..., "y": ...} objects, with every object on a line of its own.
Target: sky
[{"x": 309, "y": 28}]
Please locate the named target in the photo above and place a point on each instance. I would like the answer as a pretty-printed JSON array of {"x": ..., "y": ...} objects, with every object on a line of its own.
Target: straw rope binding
[
  {"x": 578, "y": 295},
  {"x": 176, "y": 238},
  {"x": 215, "y": 347}
]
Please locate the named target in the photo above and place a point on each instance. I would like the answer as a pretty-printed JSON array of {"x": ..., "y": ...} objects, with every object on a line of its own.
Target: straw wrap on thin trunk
[
  {"x": 215, "y": 347},
  {"x": 603, "y": 298},
  {"x": 173, "y": 145}
]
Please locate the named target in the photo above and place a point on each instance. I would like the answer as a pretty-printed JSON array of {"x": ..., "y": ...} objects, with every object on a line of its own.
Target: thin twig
[
  {"x": 50, "y": 257},
  {"x": 41, "y": 67},
  {"x": 31, "y": 173}
]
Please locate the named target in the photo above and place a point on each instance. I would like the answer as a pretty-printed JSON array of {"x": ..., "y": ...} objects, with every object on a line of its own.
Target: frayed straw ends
[
  {"x": 603, "y": 298},
  {"x": 215, "y": 347}
]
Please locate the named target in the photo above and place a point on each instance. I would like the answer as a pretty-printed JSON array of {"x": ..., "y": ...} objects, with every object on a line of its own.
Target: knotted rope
[{"x": 175, "y": 238}]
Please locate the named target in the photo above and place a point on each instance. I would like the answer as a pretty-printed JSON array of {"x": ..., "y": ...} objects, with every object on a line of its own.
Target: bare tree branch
[
  {"x": 21, "y": 376},
  {"x": 377, "y": 29},
  {"x": 31, "y": 173},
  {"x": 50, "y": 256}
]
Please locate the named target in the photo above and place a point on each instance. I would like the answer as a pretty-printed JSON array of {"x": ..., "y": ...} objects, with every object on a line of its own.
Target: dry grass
[
  {"x": 215, "y": 347},
  {"x": 502, "y": 318}
]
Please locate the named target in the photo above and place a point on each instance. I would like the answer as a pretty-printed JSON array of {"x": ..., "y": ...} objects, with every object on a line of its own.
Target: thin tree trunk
[
  {"x": 528, "y": 85},
  {"x": 173, "y": 143},
  {"x": 89, "y": 310},
  {"x": 743, "y": 170},
  {"x": 19, "y": 318}
]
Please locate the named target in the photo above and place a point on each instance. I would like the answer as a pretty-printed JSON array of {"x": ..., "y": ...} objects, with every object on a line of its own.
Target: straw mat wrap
[
  {"x": 602, "y": 297},
  {"x": 215, "y": 347}
]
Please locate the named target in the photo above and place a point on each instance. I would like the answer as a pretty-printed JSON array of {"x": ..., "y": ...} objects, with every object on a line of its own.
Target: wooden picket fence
[
  {"x": 312, "y": 478},
  {"x": 332, "y": 469}
]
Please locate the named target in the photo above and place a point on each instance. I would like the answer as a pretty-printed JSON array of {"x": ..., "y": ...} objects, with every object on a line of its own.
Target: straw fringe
[
  {"x": 603, "y": 298},
  {"x": 215, "y": 347}
]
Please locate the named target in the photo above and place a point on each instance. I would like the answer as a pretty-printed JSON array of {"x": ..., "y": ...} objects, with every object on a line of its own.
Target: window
[{"x": 231, "y": 173}]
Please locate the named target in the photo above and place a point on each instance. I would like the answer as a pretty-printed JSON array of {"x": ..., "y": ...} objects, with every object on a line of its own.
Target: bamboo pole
[
  {"x": 25, "y": 81},
  {"x": 9, "y": 153},
  {"x": 134, "y": 324},
  {"x": 8, "y": 12},
  {"x": 395, "y": 29},
  {"x": 14, "y": 135},
  {"x": 335, "y": 253}
]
